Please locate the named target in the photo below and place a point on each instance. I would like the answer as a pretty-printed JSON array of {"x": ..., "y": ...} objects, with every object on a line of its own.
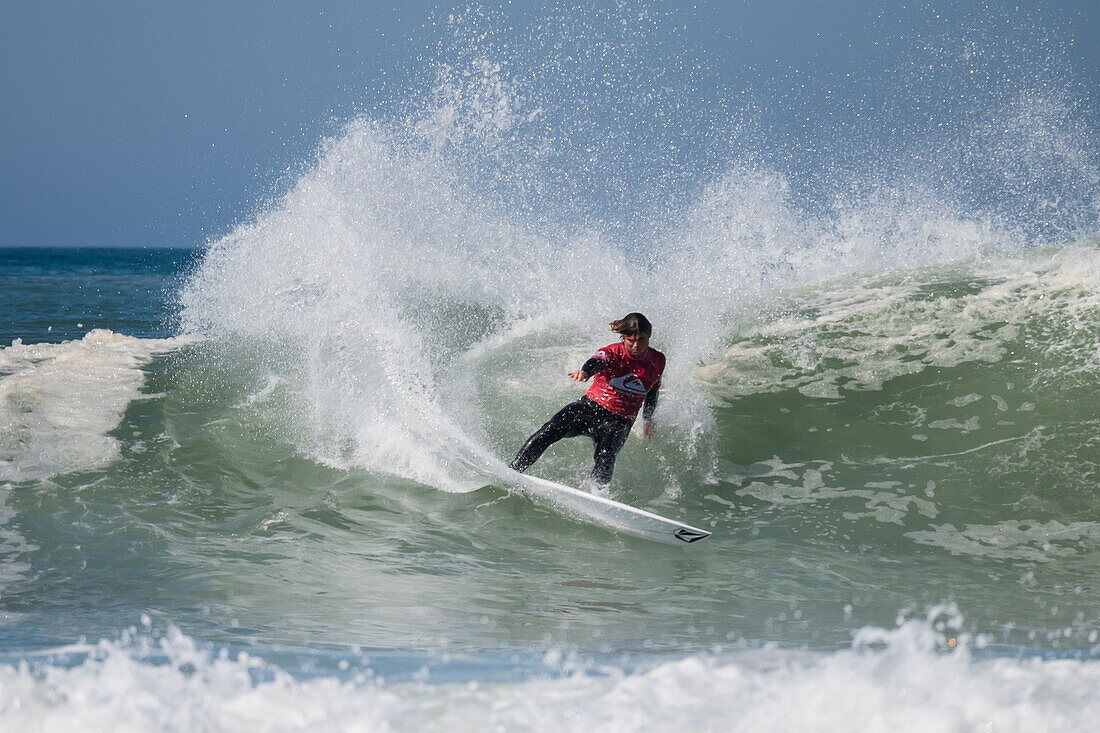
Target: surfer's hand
[
  {"x": 647, "y": 430},
  {"x": 579, "y": 376}
]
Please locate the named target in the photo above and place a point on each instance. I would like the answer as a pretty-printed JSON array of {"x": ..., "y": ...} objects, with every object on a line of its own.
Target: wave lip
[
  {"x": 58, "y": 402},
  {"x": 857, "y": 334}
]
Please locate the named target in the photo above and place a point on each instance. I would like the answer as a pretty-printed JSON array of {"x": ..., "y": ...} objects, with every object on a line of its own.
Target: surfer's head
[
  {"x": 632, "y": 324},
  {"x": 635, "y": 330}
]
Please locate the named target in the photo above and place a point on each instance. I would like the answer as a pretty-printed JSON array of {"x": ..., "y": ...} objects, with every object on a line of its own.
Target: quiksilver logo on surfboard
[{"x": 690, "y": 535}]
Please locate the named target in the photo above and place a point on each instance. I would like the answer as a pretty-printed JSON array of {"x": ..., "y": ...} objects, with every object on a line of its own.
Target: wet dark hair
[{"x": 632, "y": 324}]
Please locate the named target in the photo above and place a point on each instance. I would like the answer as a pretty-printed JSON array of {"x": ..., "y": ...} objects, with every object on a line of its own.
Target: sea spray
[{"x": 471, "y": 222}]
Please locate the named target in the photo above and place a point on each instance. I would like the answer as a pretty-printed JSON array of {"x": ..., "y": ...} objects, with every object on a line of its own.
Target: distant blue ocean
[
  {"x": 243, "y": 487},
  {"x": 56, "y": 294}
]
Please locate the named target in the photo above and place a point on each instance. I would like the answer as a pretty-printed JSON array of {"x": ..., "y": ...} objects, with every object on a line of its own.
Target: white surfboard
[{"x": 602, "y": 511}]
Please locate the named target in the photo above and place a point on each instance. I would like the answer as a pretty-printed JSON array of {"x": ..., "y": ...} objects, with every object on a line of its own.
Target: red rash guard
[{"x": 621, "y": 384}]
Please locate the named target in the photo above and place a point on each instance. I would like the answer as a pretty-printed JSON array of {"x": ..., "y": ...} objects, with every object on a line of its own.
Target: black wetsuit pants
[{"x": 583, "y": 417}]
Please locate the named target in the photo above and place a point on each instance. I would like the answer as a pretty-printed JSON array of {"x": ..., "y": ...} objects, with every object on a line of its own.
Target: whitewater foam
[
  {"x": 1034, "y": 541},
  {"x": 59, "y": 402},
  {"x": 922, "y": 675}
]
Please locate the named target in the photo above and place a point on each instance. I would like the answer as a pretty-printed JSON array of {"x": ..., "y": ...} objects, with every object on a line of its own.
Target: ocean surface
[
  {"x": 250, "y": 486},
  {"x": 224, "y": 531}
]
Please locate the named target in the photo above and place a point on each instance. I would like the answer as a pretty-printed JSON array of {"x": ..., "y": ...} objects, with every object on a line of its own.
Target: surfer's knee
[{"x": 601, "y": 472}]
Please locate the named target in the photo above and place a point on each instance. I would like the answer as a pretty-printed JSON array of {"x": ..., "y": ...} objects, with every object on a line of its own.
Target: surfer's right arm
[{"x": 589, "y": 368}]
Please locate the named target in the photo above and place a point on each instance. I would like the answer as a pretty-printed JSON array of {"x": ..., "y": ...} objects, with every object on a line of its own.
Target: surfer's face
[{"x": 637, "y": 344}]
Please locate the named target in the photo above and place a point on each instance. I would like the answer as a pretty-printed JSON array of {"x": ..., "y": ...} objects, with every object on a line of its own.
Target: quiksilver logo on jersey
[{"x": 629, "y": 384}]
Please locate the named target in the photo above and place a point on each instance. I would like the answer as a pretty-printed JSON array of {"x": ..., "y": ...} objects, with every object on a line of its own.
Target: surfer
[{"x": 627, "y": 379}]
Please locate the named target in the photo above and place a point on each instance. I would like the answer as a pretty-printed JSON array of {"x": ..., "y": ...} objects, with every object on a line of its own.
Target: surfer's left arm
[{"x": 648, "y": 408}]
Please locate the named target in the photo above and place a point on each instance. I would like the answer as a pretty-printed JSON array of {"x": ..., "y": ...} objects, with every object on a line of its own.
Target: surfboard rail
[{"x": 602, "y": 511}]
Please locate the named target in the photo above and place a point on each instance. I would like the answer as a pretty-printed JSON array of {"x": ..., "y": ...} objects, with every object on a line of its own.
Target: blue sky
[{"x": 164, "y": 124}]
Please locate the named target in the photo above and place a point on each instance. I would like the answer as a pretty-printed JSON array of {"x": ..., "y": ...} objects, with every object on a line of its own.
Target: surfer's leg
[
  {"x": 562, "y": 425},
  {"x": 609, "y": 441}
]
